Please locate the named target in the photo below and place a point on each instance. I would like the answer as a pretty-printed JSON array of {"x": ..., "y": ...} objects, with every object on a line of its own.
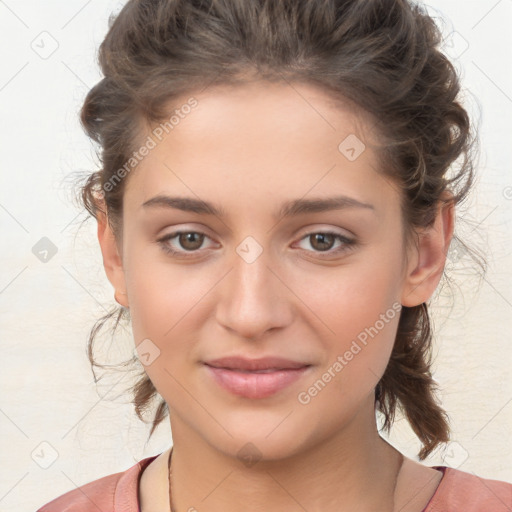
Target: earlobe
[
  {"x": 428, "y": 264},
  {"x": 112, "y": 260}
]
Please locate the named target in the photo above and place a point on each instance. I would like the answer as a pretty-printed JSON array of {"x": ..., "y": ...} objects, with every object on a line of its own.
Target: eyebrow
[{"x": 288, "y": 209}]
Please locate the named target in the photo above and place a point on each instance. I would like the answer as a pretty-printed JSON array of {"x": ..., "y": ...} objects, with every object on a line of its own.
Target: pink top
[{"x": 457, "y": 491}]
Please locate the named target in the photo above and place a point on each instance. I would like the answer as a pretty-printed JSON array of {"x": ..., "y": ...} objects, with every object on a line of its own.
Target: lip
[
  {"x": 256, "y": 378},
  {"x": 263, "y": 363}
]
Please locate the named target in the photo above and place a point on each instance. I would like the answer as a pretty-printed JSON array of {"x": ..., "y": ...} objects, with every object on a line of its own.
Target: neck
[{"x": 353, "y": 469}]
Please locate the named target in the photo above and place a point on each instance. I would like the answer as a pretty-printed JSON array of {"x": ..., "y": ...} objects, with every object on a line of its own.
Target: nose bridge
[{"x": 253, "y": 299}]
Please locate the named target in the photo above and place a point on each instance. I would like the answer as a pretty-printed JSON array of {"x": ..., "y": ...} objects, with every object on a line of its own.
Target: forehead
[
  {"x": 275, "y": 139},
  {"x": 260, "y": 107}
]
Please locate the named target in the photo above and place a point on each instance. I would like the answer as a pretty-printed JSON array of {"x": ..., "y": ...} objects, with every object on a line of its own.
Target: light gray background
[{"x": 47, "y": 308}]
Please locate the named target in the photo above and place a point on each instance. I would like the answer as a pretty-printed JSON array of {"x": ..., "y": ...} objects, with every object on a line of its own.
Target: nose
[{"x": 253, "y": 298}]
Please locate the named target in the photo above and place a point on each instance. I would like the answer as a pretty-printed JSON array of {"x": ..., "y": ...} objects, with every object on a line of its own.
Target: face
[{"x": 320, "y": 286}]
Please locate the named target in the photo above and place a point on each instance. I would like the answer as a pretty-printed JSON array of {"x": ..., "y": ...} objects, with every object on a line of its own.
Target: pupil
[
  {"x": 321, "y": 237},
  {"x": 189, "y": 238}
]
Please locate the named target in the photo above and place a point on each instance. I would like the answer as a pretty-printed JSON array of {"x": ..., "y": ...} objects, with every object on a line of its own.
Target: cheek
[
  {"x": 359, "y": 308},
  {"x": 355, "y": 356},
  {"x": 351, "y": 297},
  {"x": 165, "y": 305},
  {"x": 161, "y": 294}
]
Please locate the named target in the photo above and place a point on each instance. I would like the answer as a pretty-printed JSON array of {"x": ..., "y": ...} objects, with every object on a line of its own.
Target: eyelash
[{"x": 348, "y": 243}]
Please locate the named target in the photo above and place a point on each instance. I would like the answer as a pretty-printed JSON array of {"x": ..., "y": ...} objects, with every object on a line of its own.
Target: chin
[{"x": 254, "y": 440}]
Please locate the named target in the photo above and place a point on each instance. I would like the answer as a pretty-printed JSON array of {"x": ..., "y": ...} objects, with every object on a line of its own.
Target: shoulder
[
  {"x": 460, "y": 491},
  {"x": 110, "y": 493}
]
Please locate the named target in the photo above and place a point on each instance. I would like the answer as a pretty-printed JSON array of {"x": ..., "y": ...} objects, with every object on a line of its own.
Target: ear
[
  {"x": 427, "y": 260},
  {"x": 112, "y": 260}
]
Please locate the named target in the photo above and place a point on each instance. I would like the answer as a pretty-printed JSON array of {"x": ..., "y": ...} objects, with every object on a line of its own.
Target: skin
[{"x": 249, "y": 149}]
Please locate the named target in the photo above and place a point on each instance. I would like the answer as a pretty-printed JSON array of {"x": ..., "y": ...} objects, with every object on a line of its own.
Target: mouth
[
  {"x": 271, "y": 363},
  {"x": 267, "y": 370},
  {"x": 254, "y": 382}
]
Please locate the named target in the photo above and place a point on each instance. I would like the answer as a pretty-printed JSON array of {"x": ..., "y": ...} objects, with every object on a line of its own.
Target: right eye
[{"x": 190, "y": 241}]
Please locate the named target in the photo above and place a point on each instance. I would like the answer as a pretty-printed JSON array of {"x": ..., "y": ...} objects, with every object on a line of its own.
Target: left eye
[{"x": 324, "y": 240}]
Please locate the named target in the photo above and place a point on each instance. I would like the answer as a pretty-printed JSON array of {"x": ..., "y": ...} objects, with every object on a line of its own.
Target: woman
[{"x": 276, "y": 200}]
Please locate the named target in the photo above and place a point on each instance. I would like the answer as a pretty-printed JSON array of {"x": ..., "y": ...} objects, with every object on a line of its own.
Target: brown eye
[
  {"x": 322, "y": 241},
  {"x": 330, "y": 243},
  {"x": 191, "y": 240},
  {"x": 180, "y": 243}
]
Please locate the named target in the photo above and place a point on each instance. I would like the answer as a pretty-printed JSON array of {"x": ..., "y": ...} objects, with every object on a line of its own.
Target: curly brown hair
[{"x": 382, "y": 56}]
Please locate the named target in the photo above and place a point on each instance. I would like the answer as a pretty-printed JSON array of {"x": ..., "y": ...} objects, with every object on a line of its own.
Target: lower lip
[{"x": 255, "y": 385}]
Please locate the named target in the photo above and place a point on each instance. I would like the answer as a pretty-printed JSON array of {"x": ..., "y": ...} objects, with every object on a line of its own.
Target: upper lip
[{"x": 264, "y": 363}]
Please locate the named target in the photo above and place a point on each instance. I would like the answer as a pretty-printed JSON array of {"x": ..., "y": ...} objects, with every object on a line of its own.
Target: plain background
[{"x": 58, "y": 430}]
